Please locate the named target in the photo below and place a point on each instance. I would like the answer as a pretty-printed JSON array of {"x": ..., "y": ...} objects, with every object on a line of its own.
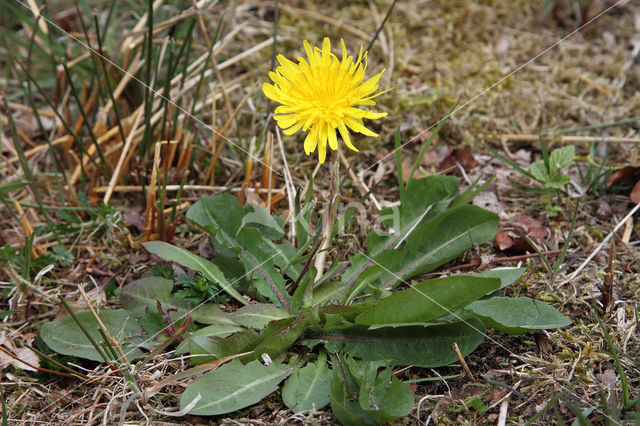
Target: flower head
[{"x": 318, "y": 96}]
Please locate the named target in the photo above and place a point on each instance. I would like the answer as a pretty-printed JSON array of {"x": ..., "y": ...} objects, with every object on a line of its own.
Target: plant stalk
[{"x": 330, "y": 218}]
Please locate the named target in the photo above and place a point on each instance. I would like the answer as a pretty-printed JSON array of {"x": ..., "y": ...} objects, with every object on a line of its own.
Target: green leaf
[
  {"x": 562, "y": 158},
  {"x": 434, "y": 191},
  {"x": 11, "y": 186},
  {"x": 387, "y": 400},
  {"x": 146, "y": 292},
  {"x": 251, "y": 240},
  {"x": 233, "y": 386},
  {"x": 200, "y": 342},
  {"x": 331, "y": 292},
  {"x": 282, "y": 334},
  {"x": 258, "y": 315},
  {"x": 346, "y": 409},
  {"x": 369, "y": 397},
  {"x": 192, "y": 261},
  {"x": 428, "y": 300},
  {"x": 271, "y": 227},
  {"x": 308, "y": 387},
  {"x": 238, "y": 342},
  {"x": 423, "y": 346},
  {"x": 538, "y": 171},
  {"x": 429, "y": 246},
  {"x": 7, "y": 313},
  {"x": 65, "y": 336},
  {"x": 507, "y": 276},
  {"x": 517, "y": 315},
  {"x": 557, "y": 180}
]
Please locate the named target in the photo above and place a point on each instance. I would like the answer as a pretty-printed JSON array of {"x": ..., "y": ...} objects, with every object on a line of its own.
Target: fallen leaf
[
  {"x": 432, "y": 157},
  {"x": 462, "y": 156},
  {"x": 511, "y": 237},
  {"x": 625, "y": 174},
  {"x": 628, "y": 175},
  {"x": 607, "y": 378},
  {"x": 635, "y": 193},
  {"x": 488, "y": 200},
  {"x": 24, "y": 354},
  {"x": 134, "y": 219}
]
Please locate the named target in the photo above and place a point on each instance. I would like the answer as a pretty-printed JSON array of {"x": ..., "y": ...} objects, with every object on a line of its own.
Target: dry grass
[{"x": 489, "y": 56}]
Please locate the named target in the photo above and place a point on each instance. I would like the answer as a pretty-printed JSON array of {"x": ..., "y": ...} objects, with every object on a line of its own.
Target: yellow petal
[
  {"x": 309, "y": 52},
  {"x": 322, "y": 150},
  {"x": 374, "y": 115},
  {"x": 291, "y": 130},
  {"x": 268, "y": 91},
  {"x": 310, "y": 143},
  {"x": 344, "y": 133},
  {"x": 333, "y": 140},
  {"x": 357, "y": 126}
]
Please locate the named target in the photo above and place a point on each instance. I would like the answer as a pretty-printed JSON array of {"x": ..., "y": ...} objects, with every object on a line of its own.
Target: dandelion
[{"x": 319, "y": 96}]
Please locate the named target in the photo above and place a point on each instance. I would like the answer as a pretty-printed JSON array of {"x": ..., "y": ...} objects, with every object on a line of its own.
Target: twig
[
  {"x": 607, "y": 238},
  {"x": 494, "y": 260},
  {"x": 213, "y": 188},
  {"x": 123, "y": 155},
  {"x": 568, "y": 139},
  {"x": 465, "y": 367}
]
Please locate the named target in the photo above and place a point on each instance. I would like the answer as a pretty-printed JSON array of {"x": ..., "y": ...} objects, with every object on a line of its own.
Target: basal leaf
[
  {"x": 517, "y": 315},
  {"x": 65, "y": 336},
  {"x": 428, "y": 300},
  {"x": 345, "y": 408},
  {"x": 250, "y": 238},
  {"x": 424, "y": 346},
  {"x": 258, "y": 315},
  {"x": 436, "y": 192},
  {"x": 388, "y": 398},
  {"x": 192, "y": 261},
  {"x": 201, "y": 342},
  {"x": 370, "y": 397},
  {"x": 233, "y": 386},
  {"x": 430, "y": 245},
  {"x": 282, "y": 334},
  {"x": 146, "y": 292},
  {"x": 507, "y": 276},
  {"x": 308, "y": 387}
]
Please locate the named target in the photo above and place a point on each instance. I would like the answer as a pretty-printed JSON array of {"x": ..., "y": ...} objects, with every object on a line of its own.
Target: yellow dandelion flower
[{"x": 318, "y": 96}]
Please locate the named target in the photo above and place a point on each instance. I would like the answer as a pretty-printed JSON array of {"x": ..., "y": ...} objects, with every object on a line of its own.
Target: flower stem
[{"x": 327, "y": 231}]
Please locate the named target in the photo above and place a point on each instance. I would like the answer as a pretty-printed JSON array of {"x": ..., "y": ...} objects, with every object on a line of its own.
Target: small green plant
[
  {"x": 195, "y": 289},
  {"x": 331, "y": 325},
  {"x": 548, "y": 172}
]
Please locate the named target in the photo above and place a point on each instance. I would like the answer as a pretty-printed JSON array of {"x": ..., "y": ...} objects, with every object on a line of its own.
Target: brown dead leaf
[
  {"x": 635, "y": 193},
  {"x": 406, "y": 170},
  {"x": 510, "y": 238},
  {"x": 462, "y": 156},
  {"x": 435, "y": 154},
  {"x": 607, "y": 378},
  {"x": 134, "y": 219},
  {"x": 625, "y": 174},
  {"x": 628, "y": 175},
  {"x": 24, "y": 354}
]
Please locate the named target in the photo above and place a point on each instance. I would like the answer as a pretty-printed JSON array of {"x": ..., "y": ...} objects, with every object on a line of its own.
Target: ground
[{"x": 507, "y": 71}]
